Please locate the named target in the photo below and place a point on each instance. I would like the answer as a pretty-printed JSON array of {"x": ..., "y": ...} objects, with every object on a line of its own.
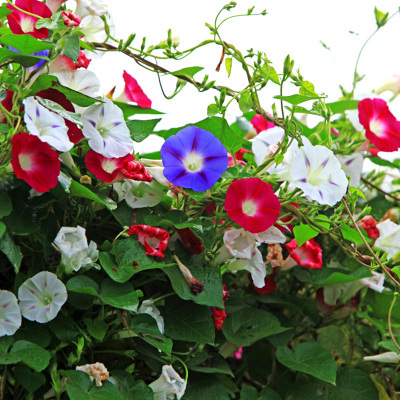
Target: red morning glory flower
[
  {"x": 153, "y": 239},
  {"x": 381, "y": 127},
  {"x": 35, "y": 162},
  {"x": 218, "y": 314},
  {"x": 133, "y": 92},
  {"x": 261, "y": 124},
  {"x": 308, "y": 255},
  {"x": 21, "y": 23},
  {"x": 252, "y": 204}
]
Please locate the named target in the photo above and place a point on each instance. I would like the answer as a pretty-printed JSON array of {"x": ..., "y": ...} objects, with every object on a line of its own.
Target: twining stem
[
  {"x": 390, "y": 320},
  {"x": 384, "y": 267},
  {"x": 367, "y": 182}
]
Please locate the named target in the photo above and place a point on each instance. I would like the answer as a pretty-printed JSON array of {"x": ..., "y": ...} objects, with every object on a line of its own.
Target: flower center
[
  {"x": 249, "y": 208},
  {"x": 109, "y": 166},
  {"x": 27, "y": 25},
  {"x": 25, "y": 162},
  {"x": 193, "y": 162},
  {"x": 377, "y": 127},
  {"x": 47, "y": 300}
]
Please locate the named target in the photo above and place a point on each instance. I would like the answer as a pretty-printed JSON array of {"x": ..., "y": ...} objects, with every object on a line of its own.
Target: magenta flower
[
  {"x": 194, "y": 158},
  {"x": 381, "y": 127},
  {"x": 133, "y": 92}
]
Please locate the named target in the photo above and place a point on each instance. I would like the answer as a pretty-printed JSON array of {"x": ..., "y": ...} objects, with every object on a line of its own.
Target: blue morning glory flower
[
  {"x": 39, "y": 53},
  {"x": 194, "y": 158}
]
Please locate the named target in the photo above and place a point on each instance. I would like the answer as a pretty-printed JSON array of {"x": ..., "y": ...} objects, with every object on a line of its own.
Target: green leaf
[
  {"x": 335, "y": 340},
  {"x": 83, "y": 284},
  {"x": 55, "y": 23},
  {"x": 26, "y": 44},
  {"x": 97, "y": 328},
  {"x": 269, "y": 394},
  {"x": 140, "y": 130},
  {"x": 228, "y": 65},
  {"x": 379, "y": 206},
  {"x": 187, "y": 321},
  {"x": 5, "y": 204},
  {"x": 269, "y": 72},
  {"x": 211, "y": 279},
  {"x": 132, "y": 389},
  {"x": 353, "y": 384},
  {"x": 53, "y": 106},
  {"x": 119, "y": 295},
  {"x": 296, "y": 99},
  {"x": 80, "y": 387},
  {"x": 190, "y": 71},
  {"x": 28, "y": 379},
  {"x": 338, "y": 107},
  {"x": 25, "y": 61},
  {"x": 249, "y": 325},
  {"x": 382, "y": 162},
  {"x": 311, "y": 359},
  {"x": 4, "y": 12},
  {"x": 246, "y": 102},
  {"x": 215, "y": 365},
  {"x": 129, "y": 109},
  {"x": 77, "y": 98},
  {"x": 78, "y": 190},
  {"x": 337, "y": 276},
  {"x": 248, "y": 393},
  {"x": 212, "y": 110},
  {"x": 220, "y": 128},
  {"x": 71, "y": 47},
  {"x": 127, "y": 252},
  {"x": 32, "y": 355},
  {"x": 2, "y": 229},
  {"x": 146, "y": 328},
  {"x": 307, "y": 89},
  {"x": 352, "y": 234},
  {"x": 303, "y": 233},
  {"x": 12, "y": 251}
]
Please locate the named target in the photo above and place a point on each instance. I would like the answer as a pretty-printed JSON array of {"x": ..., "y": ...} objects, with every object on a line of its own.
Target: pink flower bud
[{"x": 70, "y": 19}]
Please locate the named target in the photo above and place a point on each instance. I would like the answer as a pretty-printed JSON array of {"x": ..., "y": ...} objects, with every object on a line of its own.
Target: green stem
[
  {"x": 23, "y": 11},
  {"x": 390, "y": 320}
]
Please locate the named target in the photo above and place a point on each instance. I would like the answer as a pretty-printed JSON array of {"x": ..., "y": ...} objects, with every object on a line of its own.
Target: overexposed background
[{"x": 291, "y": 27}]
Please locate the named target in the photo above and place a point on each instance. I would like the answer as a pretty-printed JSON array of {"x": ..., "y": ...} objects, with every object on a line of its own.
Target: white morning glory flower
[
  {"x": 92, "y": 27},
  {"x": 139, "y": 194},
  {"x": 263, "y": 141},
  {"x": 389, "y": 238},
  {"x": 168, "y": 385},
  {"x": 352, "y": 165},
  {"x": 48, "y": 126},
  {"x": 41, "y": 297},
  {"x": 10, "y": 314},
  {"x": 81, "y": 80},
  {"x": 318, "y": 173},
  {"x": 242, "y": 245},
  {"x": 104, "y": 126},
  {"x": 388, "y": 357},
  {"x": 148, "y": 307},
  {"x": 90, "y": 7},
  {"x": 75, "y": 251}
]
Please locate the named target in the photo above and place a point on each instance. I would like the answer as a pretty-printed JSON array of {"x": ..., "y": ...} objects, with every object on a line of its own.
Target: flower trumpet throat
[{"x": 195, "y": 286}]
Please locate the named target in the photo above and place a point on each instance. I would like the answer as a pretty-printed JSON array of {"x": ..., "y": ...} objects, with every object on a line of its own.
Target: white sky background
[{"x": 291, "y": 27}]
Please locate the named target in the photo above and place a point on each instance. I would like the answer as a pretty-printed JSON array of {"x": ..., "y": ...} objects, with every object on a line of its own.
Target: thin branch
[{"x": 380, "y": 190}]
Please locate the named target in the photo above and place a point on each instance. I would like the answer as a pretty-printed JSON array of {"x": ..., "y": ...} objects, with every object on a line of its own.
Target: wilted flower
[
  {"x": 104, "y": 126},
  {"x": 381, "y": 127},
  {"x": 75, "y": 251},
  {"x": 318, "y": 173},
  {"x": 389, "y": 237},
  {"x": 139, "y": 194},
  {"x": 195, "y": 285},
  {"x": 218, "y": 314},
  {"x": 369, "y": 224},
  {"x": 194, "y": 158},
  {"x": 10, "y": 314},
  {"x": 96, "y": 371},
  {"x": 35, "y": 162},
  {"x": 148, "y": 307},
  {"x": 252, "y": 204},
  {"x": 21, "y": 23},
  {"x": 153, "y": 239},
  {"x": 192, "y": 243},
  {"x": 41, "y": 297},
  {"x": 388, "y": 357},
  {"x": 168, "y": 385},
  {"x": 82, "y": 61},
  {"x": 48, "y": 126}
]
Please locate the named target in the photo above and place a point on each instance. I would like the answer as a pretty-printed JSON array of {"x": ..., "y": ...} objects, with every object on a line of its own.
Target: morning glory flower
[
  {"x": 81, "y": 80},
  {"x": 352, "y": 165},
  {"x": 389, "y": 237},
  {"x": 168, "y": 385},
  {"x": 148, "y": 307},
  {"x": 318, "y": 173},
  {"x": 48, "y": 126},
  {"x": 194, "y": 158},
  {"x": 41, "y": 297},
  {"x": 262, "y": 142},
  {"x": 139, "y": 194},
  {"x": 104, "y": 126},
  {"x": 381, "y": 127},
  {"x": 10, "y": 314}
]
